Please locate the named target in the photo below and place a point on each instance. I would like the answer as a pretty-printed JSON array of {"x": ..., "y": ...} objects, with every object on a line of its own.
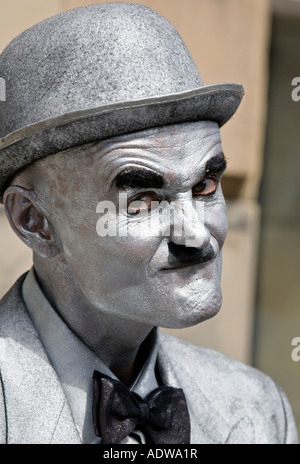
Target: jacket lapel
[
  {"x": 177, "y": 369},
  {"x": 37, "y": 410}
]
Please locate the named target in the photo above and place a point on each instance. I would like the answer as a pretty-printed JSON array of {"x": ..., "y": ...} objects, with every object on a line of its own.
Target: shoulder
[
  {"x": 206, "y": 360},
  {"x": 29, "y": 387},
  {"x": 11, "y": 305},
  {"x": 11, "y": 313},
  {"x": 236, "y": 390},
  {"x": 16, "y": 326},
  {"x": 18, "y": 335},
  {"x": 212, "y": 368}
]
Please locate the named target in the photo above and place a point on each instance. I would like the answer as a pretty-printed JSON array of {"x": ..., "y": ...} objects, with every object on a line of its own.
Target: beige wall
[
  {"x": 229, "y": 42},
  {"x": 18, "y": 15}
]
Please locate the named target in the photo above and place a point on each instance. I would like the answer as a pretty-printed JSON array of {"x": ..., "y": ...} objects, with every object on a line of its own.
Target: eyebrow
[
  {"x": 216, "y": 165},
  {"x": 138, "y": 178}
]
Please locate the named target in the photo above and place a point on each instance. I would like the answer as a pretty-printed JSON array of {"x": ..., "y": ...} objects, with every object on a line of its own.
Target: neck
[{"x": 115, "y": 340}]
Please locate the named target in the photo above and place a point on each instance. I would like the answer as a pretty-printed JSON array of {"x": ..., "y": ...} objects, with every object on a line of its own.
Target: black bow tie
[{"x": 163, "y": 416}]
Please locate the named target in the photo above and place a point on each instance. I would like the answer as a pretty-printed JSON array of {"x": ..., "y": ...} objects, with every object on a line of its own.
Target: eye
[
  {"x": 141, "y": 203},
  {"x": 205, "y": 187}
]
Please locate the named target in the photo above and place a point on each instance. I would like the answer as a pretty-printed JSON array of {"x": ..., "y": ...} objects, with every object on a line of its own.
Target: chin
[{"x": 192, "y": 312}]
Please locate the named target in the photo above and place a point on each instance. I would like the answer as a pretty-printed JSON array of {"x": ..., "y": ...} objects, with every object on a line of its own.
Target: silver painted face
[{"x": 148, "y": 275}]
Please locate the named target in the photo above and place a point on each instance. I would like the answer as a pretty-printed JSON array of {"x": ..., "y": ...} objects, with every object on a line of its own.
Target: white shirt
[{"x": 74, "y": 362}]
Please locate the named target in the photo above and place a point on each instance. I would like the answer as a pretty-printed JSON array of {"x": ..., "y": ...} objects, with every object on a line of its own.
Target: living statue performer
[{"x": 110, "y": 170}]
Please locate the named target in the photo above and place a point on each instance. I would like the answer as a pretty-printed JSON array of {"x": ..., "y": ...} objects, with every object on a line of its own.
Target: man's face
[{"x": 141, "y": 222}]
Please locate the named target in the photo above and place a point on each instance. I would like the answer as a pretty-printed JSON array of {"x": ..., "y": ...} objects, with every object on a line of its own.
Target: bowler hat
[{"x": 96, "y": 72}]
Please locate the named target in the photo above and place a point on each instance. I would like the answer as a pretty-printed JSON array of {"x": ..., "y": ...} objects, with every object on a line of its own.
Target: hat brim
[{"x": 215, "y": 102}]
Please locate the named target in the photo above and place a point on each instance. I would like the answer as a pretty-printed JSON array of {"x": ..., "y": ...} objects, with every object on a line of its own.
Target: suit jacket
[{"x": 228, "y": 401}]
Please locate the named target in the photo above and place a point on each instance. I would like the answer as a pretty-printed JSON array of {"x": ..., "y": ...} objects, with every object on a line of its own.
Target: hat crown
[{"x": 89, "y": 57}]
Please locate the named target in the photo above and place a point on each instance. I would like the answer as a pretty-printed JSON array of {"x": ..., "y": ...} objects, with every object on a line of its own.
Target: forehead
[
  {"x": 169, "y": 150},
  {"x": 164, "y": 150}
]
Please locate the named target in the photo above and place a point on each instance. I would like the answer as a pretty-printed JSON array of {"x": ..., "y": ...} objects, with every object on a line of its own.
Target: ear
[{"x": 29, "y": 221}]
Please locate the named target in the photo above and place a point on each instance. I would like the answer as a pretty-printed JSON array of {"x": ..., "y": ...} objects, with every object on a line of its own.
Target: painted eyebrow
[
  {"x": 138, "y": 178},
  {"x": 216, "y": 165}
]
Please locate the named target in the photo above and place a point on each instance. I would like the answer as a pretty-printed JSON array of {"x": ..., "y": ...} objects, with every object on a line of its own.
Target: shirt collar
[{"x": 74, "y": 362}]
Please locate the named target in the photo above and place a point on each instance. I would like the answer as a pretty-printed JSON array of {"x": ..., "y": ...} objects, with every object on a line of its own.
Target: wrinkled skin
[{"x": 112, "y": 290}]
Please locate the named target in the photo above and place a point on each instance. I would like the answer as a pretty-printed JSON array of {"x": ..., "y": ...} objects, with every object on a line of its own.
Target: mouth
[{"x": 185, "y": 266}]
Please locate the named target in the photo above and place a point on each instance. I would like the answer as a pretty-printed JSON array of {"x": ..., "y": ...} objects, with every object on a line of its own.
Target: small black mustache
[{"x": 182, "y": 255}]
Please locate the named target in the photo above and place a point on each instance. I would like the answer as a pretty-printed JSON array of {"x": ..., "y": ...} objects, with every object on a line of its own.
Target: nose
[{"x": 188, "y": 224}]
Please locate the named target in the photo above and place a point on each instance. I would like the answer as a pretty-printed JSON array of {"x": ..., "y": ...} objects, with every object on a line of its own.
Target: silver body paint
[{"x": 126, "y": 278}]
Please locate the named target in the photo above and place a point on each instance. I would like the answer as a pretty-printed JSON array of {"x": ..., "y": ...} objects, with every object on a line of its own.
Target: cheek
[
  {"x": 216, "y": 222},
  {"x": 135, "y": 250},
  {"x": 133, "y": 241},
  {"x": 110, "y": 260}
]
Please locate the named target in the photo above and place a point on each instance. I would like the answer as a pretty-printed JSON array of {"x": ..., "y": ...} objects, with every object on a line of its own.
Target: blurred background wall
[{"x": 256, "y": 43}]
